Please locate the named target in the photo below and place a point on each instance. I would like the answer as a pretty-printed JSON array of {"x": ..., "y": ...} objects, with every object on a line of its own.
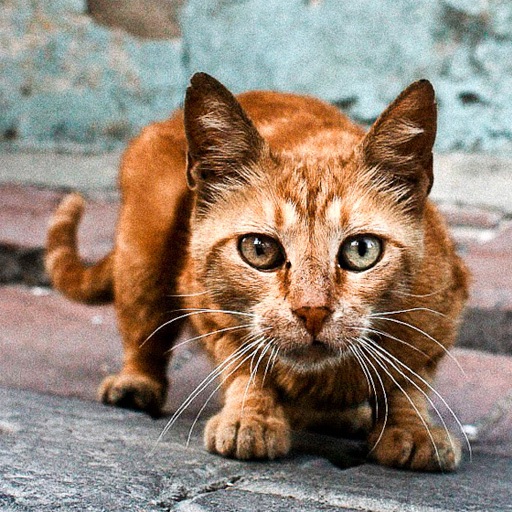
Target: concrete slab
[
  {"x": 52, "y": 345},
  {"x": 75, "y": 455},
  {"x": 62, "y": 453},
  {"x": 488, "y": 321},
  {"x": 25, "y": 212},
  {"x": 90, "y": 172},
  {"x": 473, "y": 179},
  {"x": 460, "y": 178}
]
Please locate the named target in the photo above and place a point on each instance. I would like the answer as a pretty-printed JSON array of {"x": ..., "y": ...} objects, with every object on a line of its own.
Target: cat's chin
[{"x": 313, "y": 357}]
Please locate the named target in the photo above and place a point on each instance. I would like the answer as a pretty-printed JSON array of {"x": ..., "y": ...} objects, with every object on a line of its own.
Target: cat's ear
[
  {"x": 400, "y": 142},
  {"x": 222, "y": 141}
]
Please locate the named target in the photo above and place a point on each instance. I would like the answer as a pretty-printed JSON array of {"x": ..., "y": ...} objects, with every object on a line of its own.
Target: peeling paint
[{"x": 67, "y": 83}]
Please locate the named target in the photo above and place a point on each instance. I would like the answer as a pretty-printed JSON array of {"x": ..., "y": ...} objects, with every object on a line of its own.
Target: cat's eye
[
  {"x": 261, "y": 252},
  {"x": 360, "y": 252}
]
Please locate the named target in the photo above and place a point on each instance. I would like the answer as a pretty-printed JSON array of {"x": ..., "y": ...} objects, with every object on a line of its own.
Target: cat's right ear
[{"x": 222, "y": 141}]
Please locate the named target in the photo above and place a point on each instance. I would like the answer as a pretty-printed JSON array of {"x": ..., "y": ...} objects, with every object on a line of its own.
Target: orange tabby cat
[{"x": 306, "y": 255}]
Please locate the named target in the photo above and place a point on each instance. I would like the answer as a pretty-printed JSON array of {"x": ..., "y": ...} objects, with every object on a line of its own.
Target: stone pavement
[
  {"x": 61, "y": 450},
  {"x": 66, "y": 454}
]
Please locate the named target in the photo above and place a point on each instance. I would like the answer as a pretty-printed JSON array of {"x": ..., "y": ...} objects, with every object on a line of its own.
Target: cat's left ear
[
  {"x": 222, "y": 141},
  {"x": 400, "y": 142}
]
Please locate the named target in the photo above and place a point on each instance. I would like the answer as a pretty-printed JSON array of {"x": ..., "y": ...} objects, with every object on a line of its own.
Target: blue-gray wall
[{"x": 67, "y": 83}]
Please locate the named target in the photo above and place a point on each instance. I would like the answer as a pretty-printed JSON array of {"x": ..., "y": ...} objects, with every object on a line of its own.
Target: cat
[{"x": 305, "y": 253}]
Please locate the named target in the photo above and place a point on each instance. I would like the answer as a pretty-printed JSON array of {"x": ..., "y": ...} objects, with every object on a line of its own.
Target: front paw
[
  {"x": 415, "y": 449},
  {"x": 134, "y": 391},
  {"x": 247, "y": 436}
]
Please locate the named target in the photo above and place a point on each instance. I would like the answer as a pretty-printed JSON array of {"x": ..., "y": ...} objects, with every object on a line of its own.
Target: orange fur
[{"x": 304, "y": 339}]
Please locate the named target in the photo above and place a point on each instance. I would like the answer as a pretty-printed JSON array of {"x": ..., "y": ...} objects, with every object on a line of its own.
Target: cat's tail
[{"x": 68, "y": 273}]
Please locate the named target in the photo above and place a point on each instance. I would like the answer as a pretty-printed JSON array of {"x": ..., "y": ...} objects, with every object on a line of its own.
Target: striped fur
[{"x": 305, "y": 340}]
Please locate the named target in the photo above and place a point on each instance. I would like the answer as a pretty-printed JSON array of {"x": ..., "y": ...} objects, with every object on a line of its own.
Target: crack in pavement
[{"x": 175, "y": 494}]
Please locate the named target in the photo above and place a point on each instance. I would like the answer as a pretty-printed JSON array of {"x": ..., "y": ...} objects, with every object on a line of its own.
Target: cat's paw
[
  {"x": 248, "y": 437},
  {"x": 134, "y": 391},
  {"x": 416, "y": 449}
]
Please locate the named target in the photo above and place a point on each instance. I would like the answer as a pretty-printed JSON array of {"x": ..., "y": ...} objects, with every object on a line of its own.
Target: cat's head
[{"x": 303, "y": 248}]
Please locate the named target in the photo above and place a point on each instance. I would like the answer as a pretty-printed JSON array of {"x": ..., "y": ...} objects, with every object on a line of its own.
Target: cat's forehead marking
[
  {"x": 269, "y": 212},
  {"x": 333, "y": 211},
  {"x": 290, "y": 216}
]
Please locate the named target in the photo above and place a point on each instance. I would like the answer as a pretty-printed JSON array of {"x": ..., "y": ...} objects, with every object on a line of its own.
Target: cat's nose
[{"x": 313, "y": 318}]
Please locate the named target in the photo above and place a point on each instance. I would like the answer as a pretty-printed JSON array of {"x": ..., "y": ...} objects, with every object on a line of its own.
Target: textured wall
[
  {"x": 65, "y": 80},
  {"x": 361, "y": 53},
  {"x": 67, "y": 83}
]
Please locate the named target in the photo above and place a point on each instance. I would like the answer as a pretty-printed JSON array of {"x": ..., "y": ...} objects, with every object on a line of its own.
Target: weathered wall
[
  {"x": 65, "y": 80},
  {"x": 68, "y": 83},
  {"x": 361, "y": 53}
]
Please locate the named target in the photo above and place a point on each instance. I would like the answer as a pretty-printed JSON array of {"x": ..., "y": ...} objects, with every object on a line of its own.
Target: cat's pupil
[
  {"x": 259, "y": 247},
  {"x": 362, "y": 247}
]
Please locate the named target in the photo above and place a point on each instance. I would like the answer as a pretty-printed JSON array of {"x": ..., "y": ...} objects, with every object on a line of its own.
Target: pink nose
[{"x": 313, "y": 318}]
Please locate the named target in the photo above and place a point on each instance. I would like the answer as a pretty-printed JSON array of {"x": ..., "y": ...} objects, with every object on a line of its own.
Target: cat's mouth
[{"x": 311, "y": 353}]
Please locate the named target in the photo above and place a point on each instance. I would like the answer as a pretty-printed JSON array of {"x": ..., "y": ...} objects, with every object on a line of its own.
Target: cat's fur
[{"x": 308, "y": 341}]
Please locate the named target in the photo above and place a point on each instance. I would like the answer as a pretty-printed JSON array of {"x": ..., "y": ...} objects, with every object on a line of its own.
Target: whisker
[
  {"x": 268, "y": 346},
  {"x": 178, "y": 296},
  {"x": 420, "y": 295},
  {"x": 371, "y": 388},
  {"x": 191, "y": 312},
  {"x": 218, "y": 331},
  {"x": 169, "y": 322},
  {"x": 210, "y": 310},
  {"x": 364, "y": 358},
  {"x": 390, "y": 357},
  {"x": 265, "y": 347},
  {"x": 390, "y": 336},
  {"x": 269, "y": 361},
  {"x": 276, "y": 357},
  {"x": 378, "y": 313},
  {"x": 369, "y": 379},
  {"x": 428, "y": 336},
  {"x": 232, "y": 359},
  {"x": 377, "y": 357},
  {"x": 212, "y": 394}
]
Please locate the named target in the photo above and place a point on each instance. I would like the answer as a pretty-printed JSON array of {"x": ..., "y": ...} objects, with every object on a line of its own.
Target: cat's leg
[
  {"x": 251, "y": 425},
  {"x": 145, "y": 274},
  {"x": 406, "y": 438},
  {"x": 142, "y": 382}
]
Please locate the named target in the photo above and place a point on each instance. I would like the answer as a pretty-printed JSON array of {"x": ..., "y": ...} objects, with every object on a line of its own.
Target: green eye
[
  {"x": 360, "y": 252},
  {"x": 261, "y": 252}
]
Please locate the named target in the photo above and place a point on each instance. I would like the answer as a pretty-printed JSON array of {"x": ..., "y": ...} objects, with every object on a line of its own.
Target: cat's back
[{"x": 293, "y": 122}]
